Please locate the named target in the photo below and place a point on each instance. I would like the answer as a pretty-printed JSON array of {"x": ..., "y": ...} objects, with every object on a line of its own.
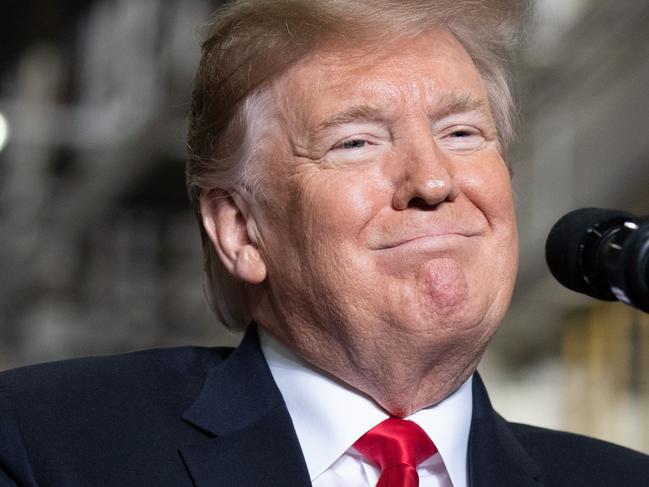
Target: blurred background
[{"x": 99, "y": 251}]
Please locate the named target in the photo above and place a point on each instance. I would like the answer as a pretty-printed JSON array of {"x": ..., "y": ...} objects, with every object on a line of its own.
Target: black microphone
[{"x": 602, "y": 253}]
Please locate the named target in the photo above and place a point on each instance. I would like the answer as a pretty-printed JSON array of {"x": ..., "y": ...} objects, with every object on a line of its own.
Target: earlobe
[
  {"x": 226, "y": 222},
  {"x": 249, "y": 266}
]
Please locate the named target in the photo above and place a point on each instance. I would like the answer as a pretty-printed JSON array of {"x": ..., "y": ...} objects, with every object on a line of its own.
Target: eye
[
  {"x": 463, "y": 138},
  {"x": 351, "y": 144},
  {"x": 463, "y": 133},
  {"x": 355, "y": 143}
]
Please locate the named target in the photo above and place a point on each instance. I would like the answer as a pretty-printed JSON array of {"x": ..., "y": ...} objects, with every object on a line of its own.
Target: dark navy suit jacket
[{"x": 214, "y": 417}]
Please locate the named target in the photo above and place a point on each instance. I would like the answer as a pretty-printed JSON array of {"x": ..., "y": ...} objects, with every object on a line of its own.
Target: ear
[{"x": 229, "y": 225}]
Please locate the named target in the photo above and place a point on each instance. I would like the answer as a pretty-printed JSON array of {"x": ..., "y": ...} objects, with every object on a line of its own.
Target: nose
[{"x": 425, "y": 179}]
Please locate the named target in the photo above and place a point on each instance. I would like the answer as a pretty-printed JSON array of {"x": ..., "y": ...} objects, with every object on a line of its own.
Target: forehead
[{"x": 432, "y": 69}]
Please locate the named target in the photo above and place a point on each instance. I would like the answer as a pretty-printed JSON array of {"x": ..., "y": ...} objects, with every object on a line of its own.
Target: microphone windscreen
[{"x": 563, "y": 252}]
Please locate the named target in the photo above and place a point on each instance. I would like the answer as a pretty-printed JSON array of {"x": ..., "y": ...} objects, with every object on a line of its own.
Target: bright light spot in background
[{"x": 4, "y": 132}]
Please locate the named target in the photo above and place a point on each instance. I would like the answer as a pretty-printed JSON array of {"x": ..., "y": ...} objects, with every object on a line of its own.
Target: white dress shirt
[{"x": 330, "y": 416}]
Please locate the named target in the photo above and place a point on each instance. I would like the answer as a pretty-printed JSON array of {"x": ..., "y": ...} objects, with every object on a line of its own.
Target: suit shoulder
[
  {"x": 572, "y": 459},
  {"x": 57, "y": 388},
  {"x": 561, "y": 440},
  {"x": 97, "y": 405},
  {"x": 189, "y": 360},
  {"x": 106, "y": 407}
]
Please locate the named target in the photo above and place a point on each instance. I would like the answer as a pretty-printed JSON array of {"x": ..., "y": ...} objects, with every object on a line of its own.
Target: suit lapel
[
  {"x": 496, "y": 458},
  {"x": 253, "y": 441}
]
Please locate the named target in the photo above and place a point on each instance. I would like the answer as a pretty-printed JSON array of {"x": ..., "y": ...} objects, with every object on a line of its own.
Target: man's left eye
[
  {"x": 463, "y": 138},
  {"x": 461, "y": 133}
]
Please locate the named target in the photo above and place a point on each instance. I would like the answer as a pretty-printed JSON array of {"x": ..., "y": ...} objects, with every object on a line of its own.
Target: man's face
[{"x": 389, "y": 218}]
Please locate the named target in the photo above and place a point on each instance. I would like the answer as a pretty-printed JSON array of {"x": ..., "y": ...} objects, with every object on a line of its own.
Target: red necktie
[{"x": 397, "y": 446}]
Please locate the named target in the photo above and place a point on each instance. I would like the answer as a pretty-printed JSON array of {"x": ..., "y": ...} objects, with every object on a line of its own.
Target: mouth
[{"x": 427, "y": 241}]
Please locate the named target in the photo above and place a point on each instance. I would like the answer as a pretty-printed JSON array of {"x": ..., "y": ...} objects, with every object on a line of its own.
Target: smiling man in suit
[{"x": 346, "y": 164}]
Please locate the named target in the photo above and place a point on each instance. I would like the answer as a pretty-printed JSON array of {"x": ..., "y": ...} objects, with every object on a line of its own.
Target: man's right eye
[{"x": 351, "y": 144}]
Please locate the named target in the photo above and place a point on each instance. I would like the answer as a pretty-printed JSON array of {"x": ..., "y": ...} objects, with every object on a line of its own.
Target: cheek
[
  {"x": 488, "y": 187},
  {"x": 337, "y": 207}
]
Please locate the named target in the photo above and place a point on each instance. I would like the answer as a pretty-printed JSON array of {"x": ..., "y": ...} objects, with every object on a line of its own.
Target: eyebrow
[
  {"x": 454, "y": 103},
  {"x": 354, "y": 114},
  {"x": 358, "y": 113}
]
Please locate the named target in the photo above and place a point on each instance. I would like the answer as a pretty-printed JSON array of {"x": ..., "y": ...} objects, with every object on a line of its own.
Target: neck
[
  {"x": 401, "y": 375},
  {"x": 404, "y": 386}
]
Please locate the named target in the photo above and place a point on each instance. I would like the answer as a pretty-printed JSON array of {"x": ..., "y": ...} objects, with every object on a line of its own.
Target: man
[{"x": 346, "y": 163}]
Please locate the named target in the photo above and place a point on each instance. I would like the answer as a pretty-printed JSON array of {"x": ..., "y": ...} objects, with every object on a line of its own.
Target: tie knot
[{"x": 396, "y": 442}]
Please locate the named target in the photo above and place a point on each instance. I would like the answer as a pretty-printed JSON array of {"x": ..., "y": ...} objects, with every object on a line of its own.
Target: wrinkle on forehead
[{"x": 333, "y": 85}]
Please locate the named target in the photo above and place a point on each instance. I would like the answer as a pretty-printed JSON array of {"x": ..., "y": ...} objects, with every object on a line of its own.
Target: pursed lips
[{"x": 433, "y": 237}]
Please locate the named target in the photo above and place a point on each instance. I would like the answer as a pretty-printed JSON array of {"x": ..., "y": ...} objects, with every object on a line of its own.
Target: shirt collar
[{"x": 329, "y": 416}]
